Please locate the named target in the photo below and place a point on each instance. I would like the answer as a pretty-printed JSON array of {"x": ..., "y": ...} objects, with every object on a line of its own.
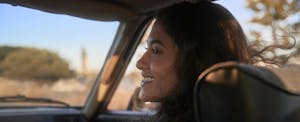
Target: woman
[{"x": 186, "y": 39}]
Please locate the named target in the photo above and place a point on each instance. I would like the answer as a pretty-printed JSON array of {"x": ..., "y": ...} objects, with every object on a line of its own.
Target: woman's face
[{"x": 158, "y": 66}]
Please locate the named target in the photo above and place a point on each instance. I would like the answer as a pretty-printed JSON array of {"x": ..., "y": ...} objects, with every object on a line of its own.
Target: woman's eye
[{"x": 154, "y": 50}]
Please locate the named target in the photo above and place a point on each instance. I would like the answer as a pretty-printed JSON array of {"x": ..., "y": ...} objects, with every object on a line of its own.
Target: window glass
[
  {"x": 129, "y": 84},
  {"x": 52, "y": 56}
]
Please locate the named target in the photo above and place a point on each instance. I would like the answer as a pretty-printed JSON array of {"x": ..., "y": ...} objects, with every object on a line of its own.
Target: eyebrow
[{"x": 155, "y": 41}]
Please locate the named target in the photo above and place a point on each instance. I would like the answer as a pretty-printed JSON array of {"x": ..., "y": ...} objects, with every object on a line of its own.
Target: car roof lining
[{"x": 103, "y": 10}]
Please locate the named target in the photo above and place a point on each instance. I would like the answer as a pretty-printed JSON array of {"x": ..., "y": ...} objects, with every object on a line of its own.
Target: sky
[
  {"x": 61, "y": 34},
  {"x": 67, "y": 35}
]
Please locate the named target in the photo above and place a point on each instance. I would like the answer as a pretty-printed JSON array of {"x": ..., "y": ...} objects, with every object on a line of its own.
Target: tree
[
  {"x": 5, "y": 50},
  {"x": 276, "y": 14},
  {"x": 31, "y": 63}
]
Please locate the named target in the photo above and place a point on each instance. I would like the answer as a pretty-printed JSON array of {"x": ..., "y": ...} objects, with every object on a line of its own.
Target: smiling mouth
[{"x": 146, "y": 80}]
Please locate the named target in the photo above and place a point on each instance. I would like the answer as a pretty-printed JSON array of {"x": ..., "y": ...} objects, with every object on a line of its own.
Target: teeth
[{"x": 147, "y": 79}]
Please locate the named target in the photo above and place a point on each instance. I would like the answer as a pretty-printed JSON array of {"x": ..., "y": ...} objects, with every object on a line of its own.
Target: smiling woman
[
  {"x": 180, "y": 47},
  {"x": 37, "y": 49},
  {"x": 158, "y": 61}
]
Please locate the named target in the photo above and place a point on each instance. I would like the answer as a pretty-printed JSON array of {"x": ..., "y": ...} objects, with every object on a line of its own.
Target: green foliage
[{"x": 31, "y": 63}]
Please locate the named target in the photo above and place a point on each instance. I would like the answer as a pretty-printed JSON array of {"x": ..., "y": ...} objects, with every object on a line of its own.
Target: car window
[{"x": 49, "y": 56}]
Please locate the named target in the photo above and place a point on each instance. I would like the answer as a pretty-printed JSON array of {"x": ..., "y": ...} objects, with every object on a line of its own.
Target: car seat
[{"x": 236, "y": 92}]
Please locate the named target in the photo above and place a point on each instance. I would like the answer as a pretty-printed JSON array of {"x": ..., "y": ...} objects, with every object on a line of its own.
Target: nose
[{"x": 143, "y": 62}]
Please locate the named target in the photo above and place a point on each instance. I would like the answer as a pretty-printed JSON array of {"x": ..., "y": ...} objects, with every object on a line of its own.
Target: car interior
[{"x": 225, "y": 92}]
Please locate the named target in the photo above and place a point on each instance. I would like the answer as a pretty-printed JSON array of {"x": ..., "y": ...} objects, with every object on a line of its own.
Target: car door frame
[{"x": 127, "y": 39}]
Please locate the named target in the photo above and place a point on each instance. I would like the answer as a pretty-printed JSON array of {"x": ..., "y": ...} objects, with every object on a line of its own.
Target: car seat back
[{"x": 236, "y": 92}]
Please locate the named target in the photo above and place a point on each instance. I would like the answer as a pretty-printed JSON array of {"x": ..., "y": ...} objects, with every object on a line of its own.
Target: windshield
[{"x": 50, "y": 56}]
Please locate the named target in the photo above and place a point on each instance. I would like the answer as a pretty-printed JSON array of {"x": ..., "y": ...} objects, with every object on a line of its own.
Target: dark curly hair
[{"x": 205, "y": 33}]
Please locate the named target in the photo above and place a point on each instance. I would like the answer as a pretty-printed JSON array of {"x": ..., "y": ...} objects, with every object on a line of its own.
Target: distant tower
[{"x": 84, "y": 62}]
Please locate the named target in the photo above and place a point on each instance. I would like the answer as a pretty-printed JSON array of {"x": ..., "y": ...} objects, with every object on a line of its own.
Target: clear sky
[
  {"x": 62, "y": 34},
  {"x": 67, "y": 35}
]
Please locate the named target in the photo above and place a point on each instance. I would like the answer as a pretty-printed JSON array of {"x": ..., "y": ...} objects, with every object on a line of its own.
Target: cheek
[
  {"x": 162, "y": 65},
  {"x": 167, "y": 86},
  {"x": 165, "y": 78}
]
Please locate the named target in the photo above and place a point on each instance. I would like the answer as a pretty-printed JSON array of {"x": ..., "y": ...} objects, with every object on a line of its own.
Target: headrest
[
  {"x": 285, "y": 78},
  {"x": 236, "y": 92}
]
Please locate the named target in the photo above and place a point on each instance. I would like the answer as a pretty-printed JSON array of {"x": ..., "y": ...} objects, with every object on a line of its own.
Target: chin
[
  {"x": 145, "y": 98},
  {"x": 142, "y": 97}
]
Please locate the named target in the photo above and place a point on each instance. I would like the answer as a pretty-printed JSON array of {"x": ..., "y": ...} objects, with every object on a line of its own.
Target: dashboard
[{"x": 41, "y": 115}]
